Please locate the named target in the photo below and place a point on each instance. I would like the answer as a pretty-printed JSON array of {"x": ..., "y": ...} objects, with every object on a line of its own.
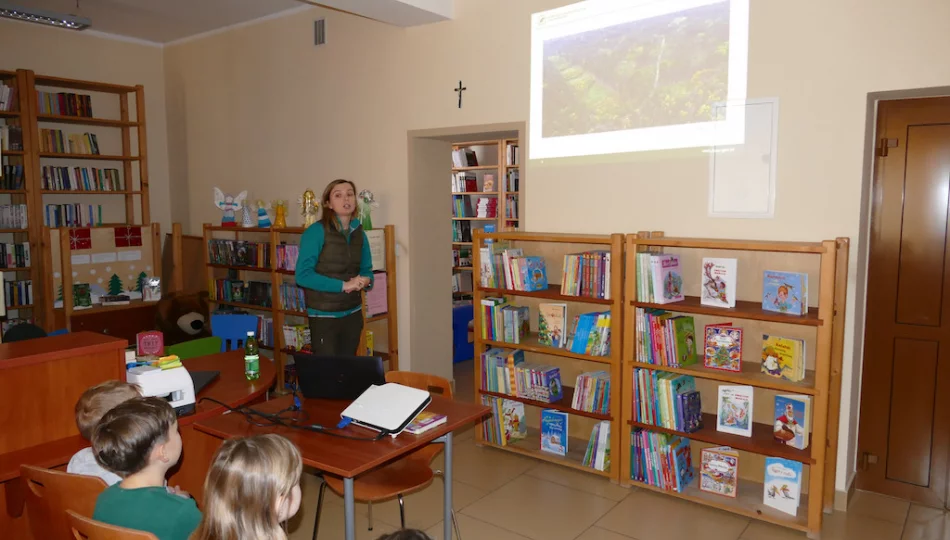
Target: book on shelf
[
  {"x": 239, "y": 253},
  {"x": 734, "y": 410},
  {"x": 587, "y": 274},
  {"x": 73, "y": 215},
  {"x": 551, "y": 320},
  {"x": 719, "y": 282},
  {"x": 8, "y": 97},
  {"x": 783, "y": 485},
  {"x": 719, "y": 471},
  {"x": 785, "y": 292},
  {"x": 11, "y": 175},
  {"x": 590, "y": 334},
  {"x": 660, "y": 460},
  {"x": 502, "y": 321},
  {"x": 783, "y": 357},
  {"x": 13, "y": 216},
  {"x": 425, "y": 421},
  {"x": 723, "y": 347},
  {"x": 667, "y": 400},
  {"x": 512, "y": 154},
  {"x": 56, "y": 140},
  {"x": 80, "y": 179},
  {"x": 792, "y": 420},
  {"x": 369, "y": 343},
  {"x": 597, "y": 455},
  {"x": 287, "y": 255},
  {"x": 507, "y": 423},
  {"x": 11, "y": 138},
  {"x": 464, "y": 157},
  {"x": 554, "y": 432},
  {"x": 64, "y": 104},
  {"x": 292, "y": 298},
  {"x": 667, "y": 276},
  {"x": 296, "y": 336},
  {"x": 665, "y": 339},
  {"x": 18, "y": 293},
  {"x": 592, "y": 392},
  {"x": 509, "y": 268},
  {"x": 504, "y": 371},
  {"x": 511, "y": 206},
  {"x": 463, "y": 182},
  {"x": 15, "y": 255}
]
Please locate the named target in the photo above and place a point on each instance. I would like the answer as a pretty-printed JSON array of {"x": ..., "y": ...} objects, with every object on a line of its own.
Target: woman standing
[{"x": 334, "y": 265}]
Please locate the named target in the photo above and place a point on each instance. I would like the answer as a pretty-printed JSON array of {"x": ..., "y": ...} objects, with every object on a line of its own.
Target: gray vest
[{"x": 340, "y": 260}]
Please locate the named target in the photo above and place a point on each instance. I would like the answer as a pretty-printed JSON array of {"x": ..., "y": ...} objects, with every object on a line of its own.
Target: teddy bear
[{"x": 183, "y": 317}]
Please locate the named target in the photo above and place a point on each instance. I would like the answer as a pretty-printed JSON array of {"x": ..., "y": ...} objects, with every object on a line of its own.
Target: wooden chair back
[
  {"x": 50, "y": 493},
  {"x": 422, "y": 381},
  {"x": 84, "y": 528}
]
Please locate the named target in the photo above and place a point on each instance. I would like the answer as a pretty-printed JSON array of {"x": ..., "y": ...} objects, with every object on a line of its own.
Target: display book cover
[
  {"x": 554, "y": 437},
  {"x": 667, "y": 279},
  {"x": 785, "y": 292},
  {"x": 388, "y": 409}
]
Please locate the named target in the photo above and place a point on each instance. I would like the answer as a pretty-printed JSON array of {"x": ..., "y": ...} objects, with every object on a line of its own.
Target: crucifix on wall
[{"x": 460, "y": 89}]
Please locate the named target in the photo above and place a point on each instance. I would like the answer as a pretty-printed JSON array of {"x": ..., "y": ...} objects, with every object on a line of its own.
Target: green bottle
[{"x": 252, "y": 361}]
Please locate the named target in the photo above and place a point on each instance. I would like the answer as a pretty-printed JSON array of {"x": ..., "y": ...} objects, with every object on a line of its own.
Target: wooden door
[{"x": 903, "y": 438}]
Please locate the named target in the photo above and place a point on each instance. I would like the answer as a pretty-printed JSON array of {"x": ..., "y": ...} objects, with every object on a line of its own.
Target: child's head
[
  {"x": 406, "y": 534},
  {"x": 253, "y": 485},
  {"x": 339, "y": 199},
  {"x": 100, "y": 399},
  {"x": 136, "y": 434}
]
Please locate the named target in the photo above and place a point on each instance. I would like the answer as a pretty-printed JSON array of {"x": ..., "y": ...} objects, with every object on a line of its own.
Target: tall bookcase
[
  {"x": 277, "y": 276},
  {"x": 115, "y": 114},
  {"x": 553, "y": 248},
  {"x": 826, "y": 264},
  {"x": 498, "y": 159}
]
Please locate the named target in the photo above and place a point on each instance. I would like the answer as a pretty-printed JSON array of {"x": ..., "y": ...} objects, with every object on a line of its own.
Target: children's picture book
[
  {"x": 785, "y": 292},
  {"x": 513, "y": 421},
  {"x": 719, "y": 471},
  {"x": 734, "y": 410},
  {"x": 719, "y": 282},
  {"x": 783, "y": 485},
  {"x": 684, "y": 336},
  {"x": 551, "y": 320},
  {"x": 535, "y": 273},
  {"x": 792, "y": 420},
  {"x": 667, "y": 279},
  {"x": 554, "y": 432},
  {"x": 723, "y": 348},
  {"x": 783, "y": 357},
  {"x": 691, "y": 406},
  {"x": 82, "y": 296},
  {"x": 425, "y": 421}
]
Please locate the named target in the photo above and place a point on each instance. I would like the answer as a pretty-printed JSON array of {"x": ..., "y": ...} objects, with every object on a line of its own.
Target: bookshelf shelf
[
  {"x": 558, "y": 406},
  {"x": 474, "y": 193},
  {"x": 14, "y": 231},
  {"x": 9, "y": 114},
  {"x": 750, "y": 375},
  {"x": 530, "y": 344},
  {"x": 82, "y": 120},
  {"x": 474, "y": 219},
  {"x": 822, "y": 383},
  {"x": 12, "y": 192},
  {"x": 276, "y": 277},
  {"x": 761, "y": 441},
  {"x": 87, "y": 192},
  {"x": 475, "y": 168},
  {"x": 553, "y": 292},
  {"x": 743, "y": 310},
  {"x": 553, "y": 247},
  {"x": 102, "y": 157},
  {"x": 13, "y": 153}
]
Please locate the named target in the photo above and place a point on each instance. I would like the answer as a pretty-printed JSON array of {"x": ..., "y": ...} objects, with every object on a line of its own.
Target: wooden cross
[{"x": 460, "y": 89}]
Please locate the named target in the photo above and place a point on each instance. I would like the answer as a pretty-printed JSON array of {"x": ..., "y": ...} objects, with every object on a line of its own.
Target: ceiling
[{"x": 164, "y": 21}]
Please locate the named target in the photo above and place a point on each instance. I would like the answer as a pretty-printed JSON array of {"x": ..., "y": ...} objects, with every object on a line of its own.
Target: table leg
[
  {"x": 447, "y": 502},
  {"x": 349, "y": 511}
]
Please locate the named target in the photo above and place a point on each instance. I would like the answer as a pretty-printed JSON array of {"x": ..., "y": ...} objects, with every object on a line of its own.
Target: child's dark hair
[
  {"x": 126, "y": 435},
  {"x": 406, "y": 534}
]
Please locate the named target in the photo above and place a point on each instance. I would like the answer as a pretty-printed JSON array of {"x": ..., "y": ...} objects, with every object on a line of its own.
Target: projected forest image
[{"x": 660, "y": 71}]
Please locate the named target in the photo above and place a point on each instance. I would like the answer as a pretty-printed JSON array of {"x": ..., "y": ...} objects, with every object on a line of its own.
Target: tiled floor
[{"x": 502, "y": 496}]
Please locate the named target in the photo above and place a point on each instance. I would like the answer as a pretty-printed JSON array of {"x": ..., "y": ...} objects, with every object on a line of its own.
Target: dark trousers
[{"x": 336, "y": 336}]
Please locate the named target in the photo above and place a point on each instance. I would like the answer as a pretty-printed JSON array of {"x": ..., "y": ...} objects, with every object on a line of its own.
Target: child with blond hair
[{"x": 93, "y": 404}]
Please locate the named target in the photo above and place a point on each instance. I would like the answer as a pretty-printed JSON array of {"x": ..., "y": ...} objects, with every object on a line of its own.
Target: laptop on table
[{"x": 337, "y": 377}]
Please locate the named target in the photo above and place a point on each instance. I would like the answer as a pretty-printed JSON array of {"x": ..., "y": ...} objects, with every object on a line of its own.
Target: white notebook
[{"x": 388, "y": 408}]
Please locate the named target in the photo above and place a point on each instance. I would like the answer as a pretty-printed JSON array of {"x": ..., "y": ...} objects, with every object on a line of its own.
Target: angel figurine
[
  {"x": 308, "y": 207},
  {"x": 280, "y": 214},
  {"x": 366, "y": 201},
  {"x": 229, "y": 204},
  {"x": 247, "y": 220},
  {"x": 263, "y": 219}
]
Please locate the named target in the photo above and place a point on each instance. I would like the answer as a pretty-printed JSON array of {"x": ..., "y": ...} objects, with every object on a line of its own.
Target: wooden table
[
  {"x": 347, "y": 458},
  {"x": 198, "y": 448}
]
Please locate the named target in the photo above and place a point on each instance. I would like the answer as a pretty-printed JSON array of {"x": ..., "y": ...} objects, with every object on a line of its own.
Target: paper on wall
[{"x": 133, "y": 255}]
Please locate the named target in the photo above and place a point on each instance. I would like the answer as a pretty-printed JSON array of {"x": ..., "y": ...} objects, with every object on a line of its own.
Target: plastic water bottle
[{"x": 252, "y": 361}]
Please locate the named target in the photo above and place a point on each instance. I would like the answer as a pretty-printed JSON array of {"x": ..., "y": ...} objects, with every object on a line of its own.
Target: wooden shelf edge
[
  {"x": 744, "y": 310},
  {"x": 749, "y": 377},
  {"x": 553, "y": 292},
  {"x": 559, "y": 406},
  {"x": 776, "y": 246},
  {"x": 532, "y": 346},
  {"x": 544, "y": 456}
]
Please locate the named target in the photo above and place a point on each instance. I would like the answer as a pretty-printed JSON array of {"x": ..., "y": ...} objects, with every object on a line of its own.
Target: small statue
[
  {"x": 308, "y": 208},
  {"x": 366, "y": 201},
  {"x": 263, "y": 219},
  {"x": 246, "y": 220},
  {"x": 228, "y": 204},
  {"x": 280, "y": 214}
]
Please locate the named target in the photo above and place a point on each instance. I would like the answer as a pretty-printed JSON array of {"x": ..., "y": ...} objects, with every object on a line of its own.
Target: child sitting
[
  {"x": 406, "y": 534},
  {"x": 92, "y": 405},
  {"x": 253, "y": 486},
  {"x": 139, "y": 441}
]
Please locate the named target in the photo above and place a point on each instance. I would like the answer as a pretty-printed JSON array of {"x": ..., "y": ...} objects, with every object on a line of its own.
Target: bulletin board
[{"x": 112, "y": 260}]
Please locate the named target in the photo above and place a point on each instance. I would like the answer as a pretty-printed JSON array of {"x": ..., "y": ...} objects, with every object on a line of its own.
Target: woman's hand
[{"x": 353, "y": 285}]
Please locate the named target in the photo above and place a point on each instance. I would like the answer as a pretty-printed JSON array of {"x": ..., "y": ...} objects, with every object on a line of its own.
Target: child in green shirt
[{"x": 139, "y": 441}]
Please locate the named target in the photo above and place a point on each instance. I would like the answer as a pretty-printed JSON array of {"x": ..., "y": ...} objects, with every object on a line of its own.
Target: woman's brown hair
[
  {"x": 328, "y": 218},
  {"x": 246, "y": 478}
]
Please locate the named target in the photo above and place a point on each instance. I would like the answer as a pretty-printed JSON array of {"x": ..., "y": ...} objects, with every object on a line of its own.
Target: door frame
[{"x": 851, "y": 458}]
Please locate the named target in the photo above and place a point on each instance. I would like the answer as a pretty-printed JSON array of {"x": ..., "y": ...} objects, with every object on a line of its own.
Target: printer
[{"x": 175, "y": 385}]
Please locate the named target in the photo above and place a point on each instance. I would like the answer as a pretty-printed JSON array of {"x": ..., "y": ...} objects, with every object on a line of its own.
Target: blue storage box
[{"x": 462, "y": 348}]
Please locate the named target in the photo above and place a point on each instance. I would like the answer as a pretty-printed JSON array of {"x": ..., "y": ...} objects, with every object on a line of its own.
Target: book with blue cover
[
  {"x": 554, "y": 432},
  {"x": 785, "y": 292},
  {"x": 535, "y": 274},
  {"x": 783, "y": 484}
]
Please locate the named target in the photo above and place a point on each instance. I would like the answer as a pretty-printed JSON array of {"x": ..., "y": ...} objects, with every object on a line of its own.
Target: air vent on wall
[{"x": 319, "y": 32}]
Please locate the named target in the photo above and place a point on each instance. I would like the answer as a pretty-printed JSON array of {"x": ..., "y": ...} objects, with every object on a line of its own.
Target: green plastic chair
[{"x": 195, "y": 348}]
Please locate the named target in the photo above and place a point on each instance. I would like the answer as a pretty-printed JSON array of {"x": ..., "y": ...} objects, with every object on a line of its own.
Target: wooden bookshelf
[
  {"x": 553, "y": 247},
  {"x": 277, "y": 277},
  {"x": 495, "y": 152},
  {"x": 819, "y": 324}
]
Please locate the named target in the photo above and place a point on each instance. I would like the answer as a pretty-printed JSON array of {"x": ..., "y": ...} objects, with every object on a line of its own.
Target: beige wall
[
  {"x": 77, "y": 55},
  {"x": 262, "y": 109}
]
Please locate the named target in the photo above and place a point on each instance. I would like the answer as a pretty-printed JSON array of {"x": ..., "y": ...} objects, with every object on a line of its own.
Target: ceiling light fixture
[{"x": 39, "y": 16}]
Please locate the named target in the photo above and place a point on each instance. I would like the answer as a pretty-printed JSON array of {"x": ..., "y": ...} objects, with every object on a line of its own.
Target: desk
[
  {"x": 198, "y": 448},
  {"x": 348, "y": 458}
]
